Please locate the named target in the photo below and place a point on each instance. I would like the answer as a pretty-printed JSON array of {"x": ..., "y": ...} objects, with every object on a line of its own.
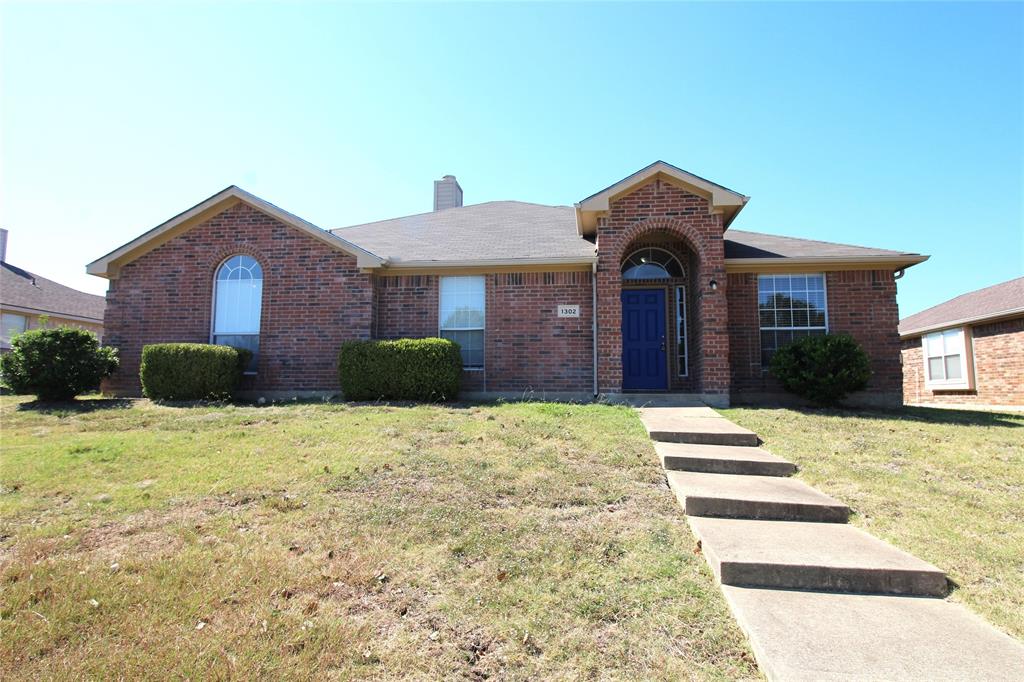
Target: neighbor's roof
[
  {"x": 990, "y": 303},
  {"x": 25, "y": 292},
  {"x": 496, "y": 232}
]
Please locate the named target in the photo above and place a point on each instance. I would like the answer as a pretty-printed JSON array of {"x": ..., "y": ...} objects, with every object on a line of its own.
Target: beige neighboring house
[{"x": 26, "y": 297}]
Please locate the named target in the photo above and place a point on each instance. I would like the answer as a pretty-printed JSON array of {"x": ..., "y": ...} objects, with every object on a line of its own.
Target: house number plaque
[{"x": 568, "y": 311}]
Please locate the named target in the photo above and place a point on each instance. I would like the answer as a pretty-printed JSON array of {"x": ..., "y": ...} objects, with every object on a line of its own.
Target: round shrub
[
  {"x": 191, "y": 371},
  {"x": 56, "y": 364},
  {"x": 822, "y": 369},
  {"x": 404, "y": 369}
]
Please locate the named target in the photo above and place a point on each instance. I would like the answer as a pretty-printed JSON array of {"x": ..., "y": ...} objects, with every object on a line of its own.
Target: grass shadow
[
  {"x": 930, "y": 415},
  {"x": 65, "y": 407}
]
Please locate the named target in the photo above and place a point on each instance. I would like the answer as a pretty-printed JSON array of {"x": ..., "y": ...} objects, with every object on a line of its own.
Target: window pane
[
  {"x": 816, "y": 283},
  {"x": 800, "y": 318},
  {"x": 471, "y": 344},
  {"x": 462, "y": 303},
  {"x": 953, "y": 367},
  {"x": 250, "y": 342},
  {"x": 935, "y": 369},
  {"x": 933, "y": 345},
  {"x": 767, "y": 318},
  {"x": 238, "y": 299},
  {"x": 953, "y": 340},
  {"x": 12, "y": 324}
]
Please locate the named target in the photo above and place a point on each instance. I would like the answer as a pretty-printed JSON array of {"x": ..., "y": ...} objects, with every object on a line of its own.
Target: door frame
[{"x": 666, "y": 372}]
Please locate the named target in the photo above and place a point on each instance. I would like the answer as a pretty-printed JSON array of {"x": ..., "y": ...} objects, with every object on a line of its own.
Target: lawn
[
  {"x": 515, "y": 541},
  {"x": 947, "y": 486}
]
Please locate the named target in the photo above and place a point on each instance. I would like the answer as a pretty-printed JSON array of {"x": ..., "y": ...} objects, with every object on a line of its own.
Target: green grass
[
  {"x": 517, "y": 541},
  {"x": 946, "y": 486}
]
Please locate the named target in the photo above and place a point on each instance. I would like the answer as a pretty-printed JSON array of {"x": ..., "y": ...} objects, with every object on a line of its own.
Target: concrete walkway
[{"x": 818, "y": 599}]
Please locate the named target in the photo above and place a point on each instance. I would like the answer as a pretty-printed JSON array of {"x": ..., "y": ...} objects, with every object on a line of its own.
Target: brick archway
[{"x": 701, "y": 233}]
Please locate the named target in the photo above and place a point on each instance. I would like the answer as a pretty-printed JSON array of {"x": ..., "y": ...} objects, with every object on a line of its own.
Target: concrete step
[
  {"x": 820, "y": 636},
  {"x": 694, "y": 425},
  {"x": 722, "y": 459},
  {"x": 812, "y": 556},
  {"x": 754, "y": 497}
]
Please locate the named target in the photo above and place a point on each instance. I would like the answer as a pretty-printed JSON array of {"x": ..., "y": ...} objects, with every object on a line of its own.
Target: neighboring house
[
  {"x": 25, "y": 298},
  {"x": 683, "y": 303},
  {"x": 968, "y": 351}
]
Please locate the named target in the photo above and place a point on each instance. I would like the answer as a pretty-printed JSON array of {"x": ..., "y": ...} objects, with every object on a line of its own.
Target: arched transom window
[
  {"x": 237, "y": 304},
  {"x": 651, "y": 263}
]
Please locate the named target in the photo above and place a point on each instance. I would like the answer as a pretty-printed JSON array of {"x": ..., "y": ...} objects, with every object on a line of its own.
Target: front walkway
[{"x": 819, "y": 599}]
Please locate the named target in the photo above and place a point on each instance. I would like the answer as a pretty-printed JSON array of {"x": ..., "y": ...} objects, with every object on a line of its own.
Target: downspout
[{"x": 593, "y": 319}]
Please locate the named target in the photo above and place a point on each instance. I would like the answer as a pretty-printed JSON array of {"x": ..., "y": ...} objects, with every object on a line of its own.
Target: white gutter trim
[
  {"x": 910, "y": 258},
  {"x": 50, "y": 313},
  {"x": 967, "y": 321},
  {"x": 487, "y": 262}
]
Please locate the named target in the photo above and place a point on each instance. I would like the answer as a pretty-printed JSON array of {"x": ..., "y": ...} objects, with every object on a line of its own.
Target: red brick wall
[
  {"x": 659, "y": 208},
  {"x": 527, "y": 345},
  {"x": 314, "y": 297},
  {"x": 405, "y": 306},
  {"x": 861, "y": 303},
  {"x": 998, "y": 368}
]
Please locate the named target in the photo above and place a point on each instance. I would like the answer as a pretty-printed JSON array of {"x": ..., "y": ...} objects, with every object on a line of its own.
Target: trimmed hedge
[
  {"x": 56, "y": 364},
  {"x": 191, "y": 371},
  {"x": 404, "y": 369},
  {"x": 822, "y": 369}
]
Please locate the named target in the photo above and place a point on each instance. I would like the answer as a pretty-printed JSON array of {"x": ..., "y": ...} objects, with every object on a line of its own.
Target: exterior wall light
[{"x": 713, "y": 284}]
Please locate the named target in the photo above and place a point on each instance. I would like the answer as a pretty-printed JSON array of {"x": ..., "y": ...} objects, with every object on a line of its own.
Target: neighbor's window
[
  {"x": 238, "y": 302},
  {"x": 790, "y": 307},
  {"x": 946, "y": 356},
  {"x": 462, "y": 317},
  {"x": 12, "y": 324}
]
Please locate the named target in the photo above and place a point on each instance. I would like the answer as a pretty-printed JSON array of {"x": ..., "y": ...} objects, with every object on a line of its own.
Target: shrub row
[
  {"x": 191, "y": 371},
  {"x": 404, "y": 369}
]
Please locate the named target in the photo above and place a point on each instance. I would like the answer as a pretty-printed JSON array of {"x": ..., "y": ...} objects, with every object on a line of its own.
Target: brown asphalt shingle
[
  {"x": 25, "y": 290},
  {"x": 999, "y": 299},
  {"x": 505, "y": 230}
]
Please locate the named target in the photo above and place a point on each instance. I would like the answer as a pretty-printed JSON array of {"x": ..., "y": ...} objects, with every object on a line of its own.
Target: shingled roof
[
  {"x": 515, "y": 231},
  {"x": 997, "y": 301},
  {"x": 24, "y": 290}
]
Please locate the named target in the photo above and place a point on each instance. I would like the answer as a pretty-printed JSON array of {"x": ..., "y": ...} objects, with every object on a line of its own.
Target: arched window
[
  {"x": 237, "y": 304},
  {"x": 651, "y": 263}
]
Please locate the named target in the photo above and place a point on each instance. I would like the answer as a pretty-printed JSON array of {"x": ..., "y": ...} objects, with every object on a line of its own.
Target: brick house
[
  {"x": 641, "y": 287},
  {"x": 968, "y": 351},
  {"x": 29, "y": 301}
]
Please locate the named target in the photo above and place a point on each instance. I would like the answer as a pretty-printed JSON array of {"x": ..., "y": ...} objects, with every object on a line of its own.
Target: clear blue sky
[{"x": 892, "y": 125}]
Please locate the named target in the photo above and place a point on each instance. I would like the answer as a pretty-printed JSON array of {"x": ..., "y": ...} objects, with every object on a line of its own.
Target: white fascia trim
[
  {"x": 6, "y": 307},
  {"x": 720, "y": 196},
  {"x": 364, "y": 258},
  {"x": 484, "y": 263},
  {"x": 964, "y": 322},
  {"x": 783, "y": 262}
]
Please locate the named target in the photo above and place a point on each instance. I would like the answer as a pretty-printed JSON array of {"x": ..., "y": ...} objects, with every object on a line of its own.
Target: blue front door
[{"x": 643, "y": 340}]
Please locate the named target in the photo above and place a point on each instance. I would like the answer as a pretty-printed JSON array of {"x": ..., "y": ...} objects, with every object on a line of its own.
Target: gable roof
[
  {"x": 991, "y": 303},
  {"x": 24, "y": 291},
  {"x": 107, "y": 266},
  {"x": 758, "y": 250},
  {"x": 722, "y": 199},
  {"x": 492, "y": 233}
]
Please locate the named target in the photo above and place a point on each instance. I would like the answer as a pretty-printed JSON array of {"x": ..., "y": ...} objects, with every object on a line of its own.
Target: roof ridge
[
  {"x": 445, "y": 210},
  {"x": 818, "y": 241}
]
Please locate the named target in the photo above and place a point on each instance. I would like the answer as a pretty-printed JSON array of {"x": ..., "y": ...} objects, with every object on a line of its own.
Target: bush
[
  {"x": 822, "y": 369},
  {"x": 405, "y": 369},
  {"x": 191, "y": 371},
  {"x": 56, "y": 364}
]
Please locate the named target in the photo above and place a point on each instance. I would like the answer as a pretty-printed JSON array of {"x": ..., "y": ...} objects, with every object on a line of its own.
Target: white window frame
[
  {"x": 824, "y": 288},
  {"x": 681, "y": 340},
  {"x": 213, "y": 308},
  {"x": 966, "y": 353},
  {"x": 440, "y": 329},
  {"x": 5, "y": 341}
]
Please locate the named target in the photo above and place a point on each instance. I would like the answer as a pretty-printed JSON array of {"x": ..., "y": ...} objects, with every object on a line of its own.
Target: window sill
[
  {"x": 939, "y": 388},
  {"x": 472, "y": 369}
]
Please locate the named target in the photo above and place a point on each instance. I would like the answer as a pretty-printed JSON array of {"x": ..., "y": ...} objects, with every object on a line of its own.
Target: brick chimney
[
  {"x": 447, "y": 193},
  {"x": 3, "y": 243}
]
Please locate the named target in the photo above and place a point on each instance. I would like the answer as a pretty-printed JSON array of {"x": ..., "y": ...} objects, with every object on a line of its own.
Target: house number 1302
[{"x": 568, "y": 311}]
